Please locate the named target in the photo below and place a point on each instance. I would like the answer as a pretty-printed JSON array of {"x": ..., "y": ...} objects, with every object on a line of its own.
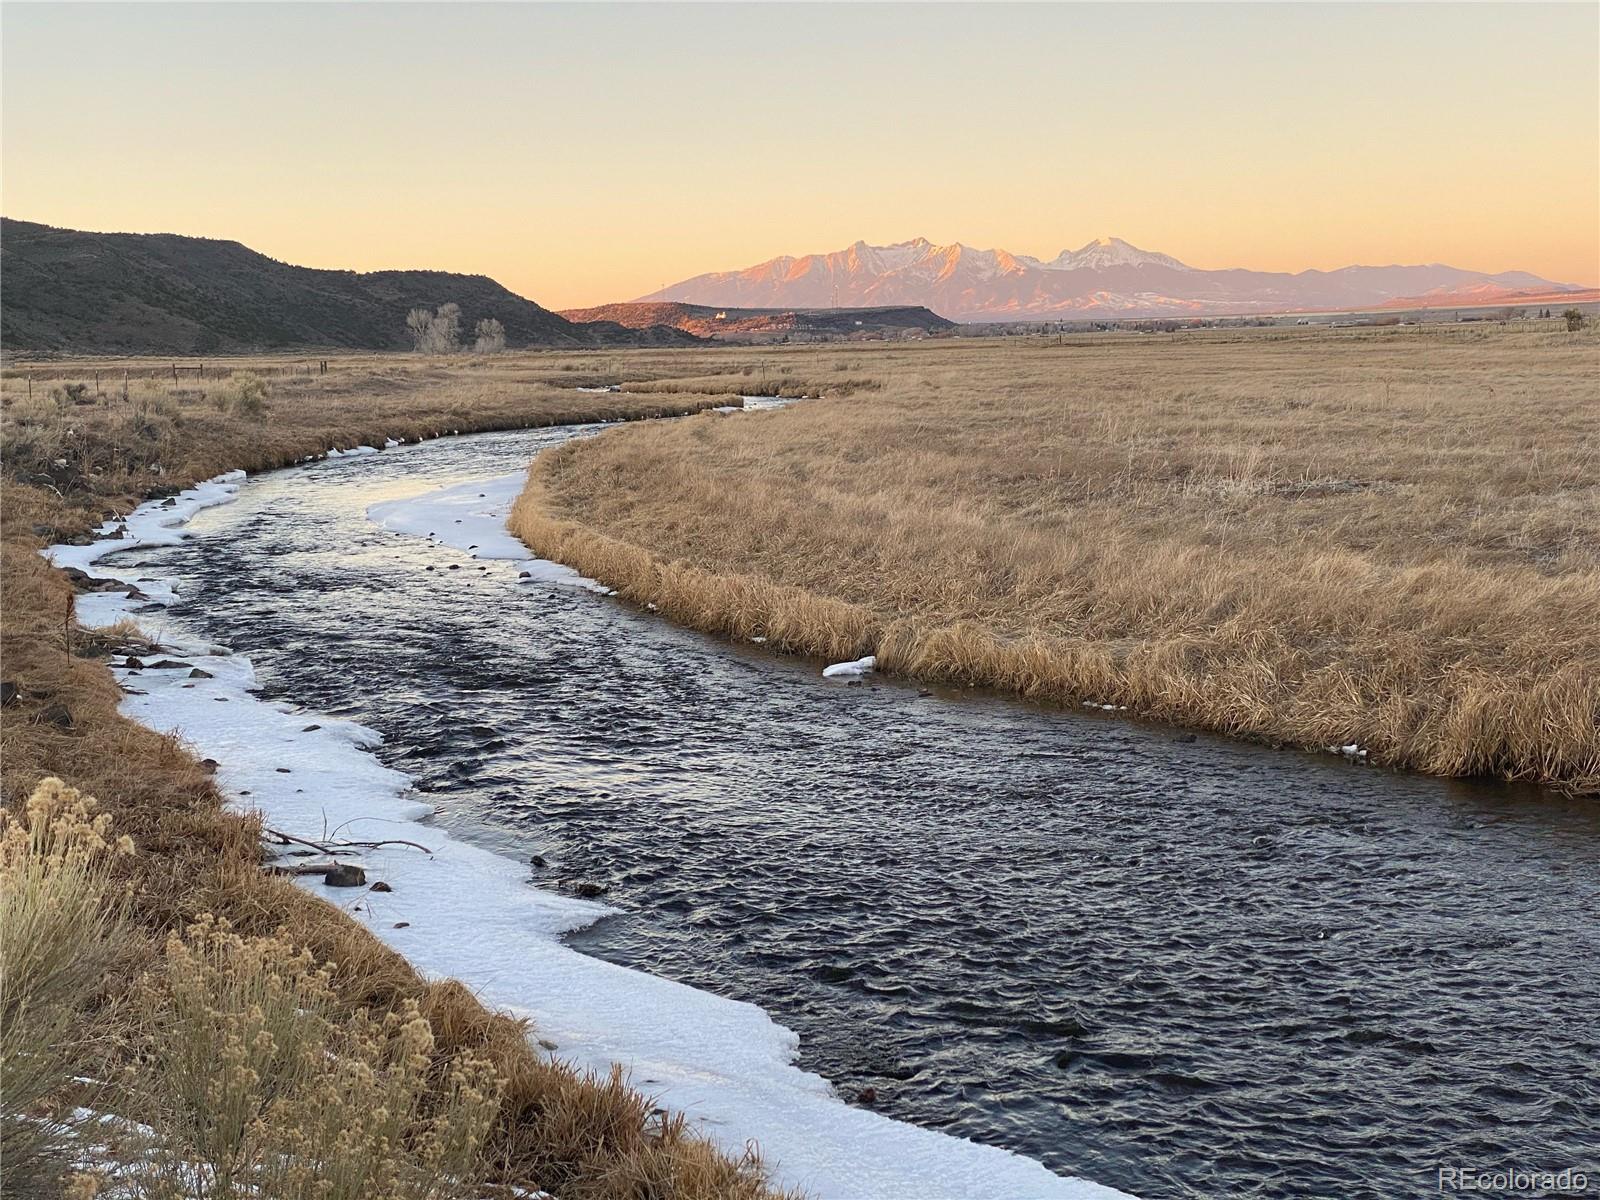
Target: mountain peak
[{"x": 1104, "y": 252}]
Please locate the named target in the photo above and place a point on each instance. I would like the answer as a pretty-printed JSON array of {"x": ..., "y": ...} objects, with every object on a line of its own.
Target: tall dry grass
[
  {"x": 61, "y": 929},
  {"x": 66, "y": 467},
  {"x": 1306, "y": 537}
]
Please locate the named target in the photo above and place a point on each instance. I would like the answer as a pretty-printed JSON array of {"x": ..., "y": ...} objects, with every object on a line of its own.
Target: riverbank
[
  {"x": 69, "y": 466},
  {"x": 1373, "y": 539}
]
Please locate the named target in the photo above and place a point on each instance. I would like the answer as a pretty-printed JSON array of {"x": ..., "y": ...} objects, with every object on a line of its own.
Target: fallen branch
[
  {"x": 386, "y": 842},
  {"x": 285, "y": 839},
  {"x": 301, "y": 868}
]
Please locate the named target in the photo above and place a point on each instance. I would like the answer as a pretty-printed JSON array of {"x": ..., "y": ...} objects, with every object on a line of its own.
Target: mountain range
[
  {"x": 1108, "y": 277},
  {"x": 68, "y": 291}
]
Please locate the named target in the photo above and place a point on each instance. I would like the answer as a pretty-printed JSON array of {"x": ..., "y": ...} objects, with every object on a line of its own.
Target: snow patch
[{"x": 861, "y": 666}]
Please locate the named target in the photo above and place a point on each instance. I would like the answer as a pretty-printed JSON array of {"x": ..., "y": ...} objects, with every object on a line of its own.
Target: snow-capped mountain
[
  {"x": 1108, "y": 276},
  {"x": 1103, "y": 253}
]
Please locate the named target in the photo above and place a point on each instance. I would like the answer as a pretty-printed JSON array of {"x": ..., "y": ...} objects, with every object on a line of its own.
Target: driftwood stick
[
  {"x": 286, "y": 838},
  {"x": 331, "y": 847},
  {"x": 386, "y": 842},
  {"x": 302, "y": 869}
]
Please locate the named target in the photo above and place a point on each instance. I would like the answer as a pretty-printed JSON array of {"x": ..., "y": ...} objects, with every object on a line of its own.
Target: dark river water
[{"x": 1181, "y": 968}]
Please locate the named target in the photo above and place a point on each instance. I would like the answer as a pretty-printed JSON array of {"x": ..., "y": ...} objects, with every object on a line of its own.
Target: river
[{"x": 1182, "y": 967}]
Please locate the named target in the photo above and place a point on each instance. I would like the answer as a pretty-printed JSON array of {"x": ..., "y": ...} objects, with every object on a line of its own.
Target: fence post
[{"x": 174, "y": 372}]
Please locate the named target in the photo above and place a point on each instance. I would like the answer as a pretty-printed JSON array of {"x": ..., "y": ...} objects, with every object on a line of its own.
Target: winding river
[{"x": 1182, "y": 967}]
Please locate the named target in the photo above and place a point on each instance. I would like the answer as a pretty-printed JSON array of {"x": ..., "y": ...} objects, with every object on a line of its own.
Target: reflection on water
[{"x": 1185, "y": 969}]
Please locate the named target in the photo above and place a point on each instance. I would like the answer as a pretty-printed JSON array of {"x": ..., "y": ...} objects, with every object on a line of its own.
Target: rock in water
[{"x": 344, "y": 875}]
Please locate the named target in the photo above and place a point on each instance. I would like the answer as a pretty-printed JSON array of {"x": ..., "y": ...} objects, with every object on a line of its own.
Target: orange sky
[{"x": 588, "y": 153}]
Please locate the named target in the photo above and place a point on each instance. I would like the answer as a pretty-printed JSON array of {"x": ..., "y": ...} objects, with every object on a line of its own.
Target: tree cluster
[{"x": 439, "y": 332}]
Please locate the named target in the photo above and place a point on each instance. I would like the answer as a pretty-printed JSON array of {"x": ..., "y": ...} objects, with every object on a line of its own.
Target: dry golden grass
[
  {"x": 66, "y": 467},
  {"x": 1389, "y": 537},
  {"x": 61, "y": 914}
]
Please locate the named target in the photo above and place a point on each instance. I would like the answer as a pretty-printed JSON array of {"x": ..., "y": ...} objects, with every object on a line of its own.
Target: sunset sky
[{"x": 586, "y": 153}]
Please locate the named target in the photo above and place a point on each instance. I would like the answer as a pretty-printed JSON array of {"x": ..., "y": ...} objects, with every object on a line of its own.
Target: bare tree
[
  {"x": 447, "y": 329},
  {"x": 1574, "y": 319},
  {"x": 491, "y": 336},
  {"x": 419, "y": 323},
  {"x": 438, "y": 332}
]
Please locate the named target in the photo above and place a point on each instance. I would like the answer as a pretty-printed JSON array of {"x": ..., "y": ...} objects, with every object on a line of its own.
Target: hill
[
  {"x": 75, "y": 292},
  {"x": 769, "y": 324},
  {"x": 1107, "y": 277}
]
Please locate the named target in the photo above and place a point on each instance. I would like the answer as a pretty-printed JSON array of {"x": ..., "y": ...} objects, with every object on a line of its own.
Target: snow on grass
[
  {"x": 851, "y": 670},
  {"x": 471, "y": 516},
  {"x": 764, "y": 403},
  {"x": 460, "y": 911}
]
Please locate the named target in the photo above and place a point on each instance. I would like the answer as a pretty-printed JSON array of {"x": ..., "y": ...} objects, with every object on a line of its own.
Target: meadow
[{"x": 1386, "y": 539}]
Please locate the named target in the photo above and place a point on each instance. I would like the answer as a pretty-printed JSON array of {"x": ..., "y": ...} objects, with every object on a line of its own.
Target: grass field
[
  {"x": 1309, "y": 537},
  {"x": 190, "y": 1005}
]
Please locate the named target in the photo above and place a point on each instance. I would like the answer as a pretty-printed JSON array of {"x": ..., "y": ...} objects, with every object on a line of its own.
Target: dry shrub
[
  {"x": 60, "y": 927},
  {"x": 258, "y": 1081},
  {"x": 244, "y": 395}
]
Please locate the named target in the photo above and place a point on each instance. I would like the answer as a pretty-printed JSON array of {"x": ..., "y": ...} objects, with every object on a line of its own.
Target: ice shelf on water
[
  {"x": 460, "y": 911},
  {"x": 471, "y": 516}
]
